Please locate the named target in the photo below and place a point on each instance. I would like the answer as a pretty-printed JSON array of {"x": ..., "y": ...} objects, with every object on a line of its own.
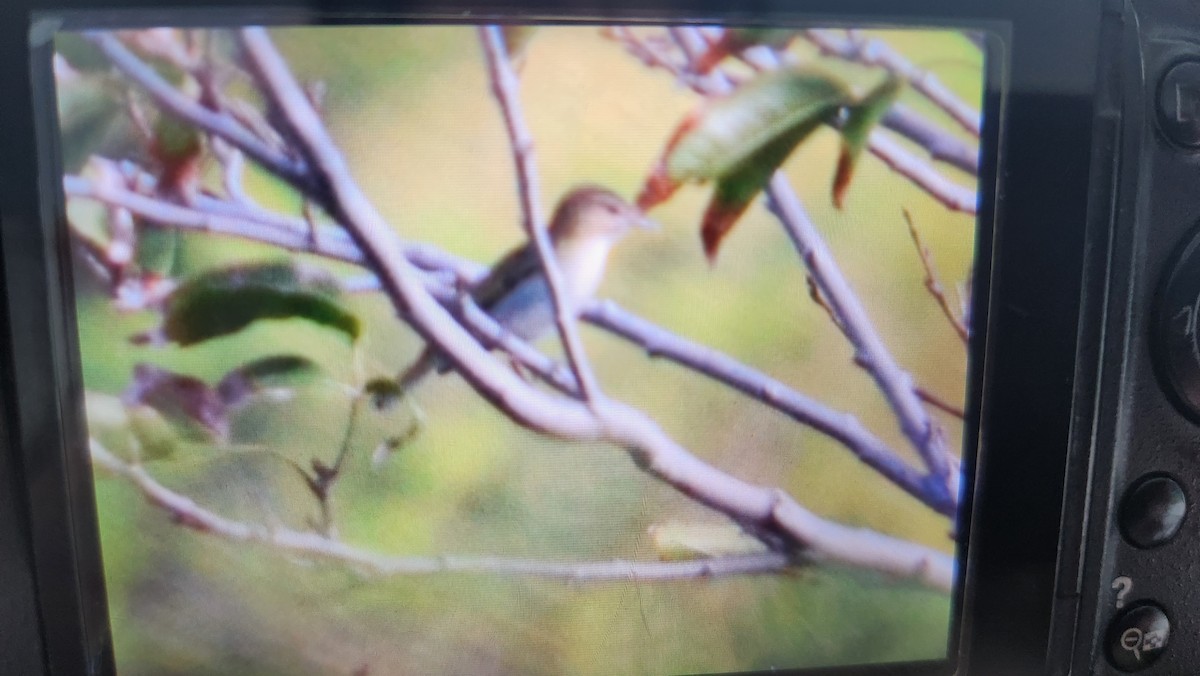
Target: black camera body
[
  {"x": 1132, "y": 474},
  {"x": 1077, "y": 553}
]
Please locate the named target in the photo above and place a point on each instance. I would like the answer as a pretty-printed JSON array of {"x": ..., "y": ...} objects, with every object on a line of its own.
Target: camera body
[
  {"x": 1132, "y": 473},
  {"x": 1080, "y": 542}
]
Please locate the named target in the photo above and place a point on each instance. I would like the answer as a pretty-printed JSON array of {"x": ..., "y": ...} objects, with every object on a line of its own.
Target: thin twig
[
  {"x": 766, "y": 512},
  {"x": 939, "y": 403},
  {"x": 186, "y": 512},
  {"x": 504, "y": 87},
  {"x": 932, "y": 284},
  {"x": 853, "y": 46},
  {"x": 922, "y": 393}
]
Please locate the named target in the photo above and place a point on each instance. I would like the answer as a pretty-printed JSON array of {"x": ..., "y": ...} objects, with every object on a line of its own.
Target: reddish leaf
[
  {"x": 719, "y": 219},
  {"x": 182, "y": 399},
  {"x": 660, "y": 185}
]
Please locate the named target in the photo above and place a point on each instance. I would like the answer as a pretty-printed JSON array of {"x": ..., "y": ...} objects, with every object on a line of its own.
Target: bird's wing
[{"x": 505, "y": 275}]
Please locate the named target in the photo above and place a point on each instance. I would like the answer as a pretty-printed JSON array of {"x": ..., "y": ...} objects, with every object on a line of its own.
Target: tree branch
[
  {"x": 448, "y": 273},
  {"x": 186, "y": 512},
  {"x": 504, "y": 87},
  {"x": 940, "y": 145},
  {"x": 852, "y": 46}
]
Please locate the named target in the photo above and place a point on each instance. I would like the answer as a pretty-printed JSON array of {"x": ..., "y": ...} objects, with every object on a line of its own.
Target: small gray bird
[{"x": 586, "y": 225}]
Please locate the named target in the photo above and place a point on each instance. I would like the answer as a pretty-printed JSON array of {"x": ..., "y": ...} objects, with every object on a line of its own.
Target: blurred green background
[{"x": 412, "y": 110}]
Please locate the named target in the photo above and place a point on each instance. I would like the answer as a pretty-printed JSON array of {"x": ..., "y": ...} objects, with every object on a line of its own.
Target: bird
[{"x": 587, "y": 223}]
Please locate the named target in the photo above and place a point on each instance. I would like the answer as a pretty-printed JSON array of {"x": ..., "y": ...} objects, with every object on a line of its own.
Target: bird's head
[{"x": 593, "y": 212}]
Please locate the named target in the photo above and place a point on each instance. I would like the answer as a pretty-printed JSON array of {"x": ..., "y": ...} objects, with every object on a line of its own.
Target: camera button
[
  {"x": 1179, "y": 104},
  {"x": 1137, "y": 637},
  {"x": 1152, "y": 511}
]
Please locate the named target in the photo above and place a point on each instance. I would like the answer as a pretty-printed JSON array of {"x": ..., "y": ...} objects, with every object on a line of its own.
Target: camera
[{"x": 815, "y": 337}]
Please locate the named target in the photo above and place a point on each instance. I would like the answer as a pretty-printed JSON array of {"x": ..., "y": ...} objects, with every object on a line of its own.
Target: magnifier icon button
[{"x": 1138, "y": 637}]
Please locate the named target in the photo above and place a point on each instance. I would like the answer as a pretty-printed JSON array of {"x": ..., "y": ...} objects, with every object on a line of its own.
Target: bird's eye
[{"x": 612, "y": 208}]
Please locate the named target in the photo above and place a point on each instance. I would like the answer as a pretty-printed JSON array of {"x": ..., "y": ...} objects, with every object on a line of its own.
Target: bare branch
[
  {"x": 932, "y": 284},
  {"x": 842, "y": 427},
  {"x": 940, "y": 145},
  {"x": 951, "y": 195},
  {"x": 853, "y": 46},
  {"x": 226, "y": 218},
  {"x": 504, "y": 87},
  {"x": 186, "y": 512},
  {"x": 174, "y": 102}
]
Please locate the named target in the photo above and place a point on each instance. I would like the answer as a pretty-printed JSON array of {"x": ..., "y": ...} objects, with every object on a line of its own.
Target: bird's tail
[{"x": 422, "y": 366}]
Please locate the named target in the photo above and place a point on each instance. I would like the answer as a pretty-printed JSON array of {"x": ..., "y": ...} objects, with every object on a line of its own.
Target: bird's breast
[{"x": 583, "y": 266}]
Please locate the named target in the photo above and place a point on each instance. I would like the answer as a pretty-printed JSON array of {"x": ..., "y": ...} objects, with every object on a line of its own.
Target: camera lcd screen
[{"x": 559, "y": 348}]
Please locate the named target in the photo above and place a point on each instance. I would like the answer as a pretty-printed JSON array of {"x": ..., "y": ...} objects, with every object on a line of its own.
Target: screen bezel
[{"x": 48, "y": 414}]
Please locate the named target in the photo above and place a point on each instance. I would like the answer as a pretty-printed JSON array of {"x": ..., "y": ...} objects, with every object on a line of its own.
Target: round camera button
[
  {"x": 1175, "y": 338},
  {"x": 1137, "y": 637},
  {"x": 1152, "y": 511},
  {"x": 1179, "y": 104}
]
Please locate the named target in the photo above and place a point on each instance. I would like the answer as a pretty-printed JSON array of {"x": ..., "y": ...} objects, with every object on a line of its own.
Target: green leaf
[
  {"x": 225, "y": 301},
  {"x": 274, "y": 372},
  {"x": 385, "y": 393},
  {"x": 684, "y": 541},
  {"x": 740, "y": 140},
  {"x": 733, "y": 130},
  {"x": 109, "y": 423},
  {"x": 856, "y": 131},
  {"x": 735, "y": 191},
  {"x": 155, "y": 438}
]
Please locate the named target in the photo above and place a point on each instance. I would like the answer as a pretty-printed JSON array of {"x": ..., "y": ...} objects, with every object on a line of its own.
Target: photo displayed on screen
[{"x": 565, "y": 349}]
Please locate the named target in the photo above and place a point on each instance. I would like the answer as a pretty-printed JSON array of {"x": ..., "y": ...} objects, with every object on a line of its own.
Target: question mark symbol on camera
[{"x": 1123, "y": 585}]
